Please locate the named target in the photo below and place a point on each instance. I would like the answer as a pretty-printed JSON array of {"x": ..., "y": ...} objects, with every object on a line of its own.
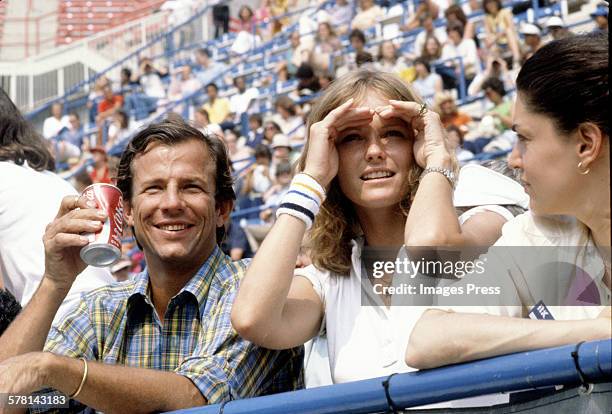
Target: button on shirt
[{"x": 117, "y": 324}]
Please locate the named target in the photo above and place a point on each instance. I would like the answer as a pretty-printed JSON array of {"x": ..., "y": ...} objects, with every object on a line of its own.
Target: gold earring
[{"x": 585, "y": 172}]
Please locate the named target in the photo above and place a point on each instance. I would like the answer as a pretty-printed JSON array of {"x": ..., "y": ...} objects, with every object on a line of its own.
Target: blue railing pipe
[{"x": 520, "y": 371}]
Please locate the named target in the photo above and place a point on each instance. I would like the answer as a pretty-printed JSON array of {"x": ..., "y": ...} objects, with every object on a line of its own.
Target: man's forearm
[
  {"x": 119, "y": 389},
  {"x": 29, "y": 330}
]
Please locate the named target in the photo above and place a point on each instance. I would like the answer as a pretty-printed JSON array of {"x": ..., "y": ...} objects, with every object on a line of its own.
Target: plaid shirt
[{"x": 117, "y": 324}]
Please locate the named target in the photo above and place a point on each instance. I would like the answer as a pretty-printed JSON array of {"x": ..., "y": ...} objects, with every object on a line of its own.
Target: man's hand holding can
[{"x": 63, "y": 239}]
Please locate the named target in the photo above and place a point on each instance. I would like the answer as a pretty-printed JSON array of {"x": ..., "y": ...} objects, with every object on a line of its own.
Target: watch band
[{"x": 450, "y": 176}]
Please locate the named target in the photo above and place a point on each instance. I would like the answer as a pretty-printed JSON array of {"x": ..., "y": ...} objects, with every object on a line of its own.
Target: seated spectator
[
  {"x": 368, "y": 15},
  {"x": 56, "y": 122},
  {"x": 288, "y": 118},
  {"x": 126, "y": 83},
  {"x": 455, "y": 140},
  {"x": 326, "y": 43},
  {"x": 218, "y": 108},
  {"x": 501, "y": 34},
  {"x": 94, "y": 97},
  {"x": 340, "y": 14},
  {"x": 432, "y": 49},
  {"x": 206, "y": 69},
  {"x": 239, "y": 154},
  {"x": 272, "y": 198},
  {"x": 99, "y": 171},
  {"x": 299, "y": 52},
  {"x": 200, "y": 119},
  {"x": 73, "y": 134},
  {"x": 496, "y": 68},
  {"x": 556, "y": 27},
  {"x": 151, "y": 80},
  {"x": 256, "y": 131},
  {"x": 425, "y": 9},
  {"x": 256, "y": 230},
  {"x": 439, "y": 33},
  {"x": 258, "y": 179},
  {"x": 358, "y": 43},
  {"x": 389, "y": 60},
  {"x": 308, "y": 83},
  {"x": 245, "y": 21},
  {"x": 600, "y": 15},
  {"x": 454, "y": 13},
  {"x": 271, "y": 128},
  {"x": 445, "y": 106},
  {"x": 119, "y": 130},
  {"x": 459, "y": 47},
  {"x": 427, "y": 84},
  {"x": 204, "y": 361},
  {"x": 502, "y": 106},
  {"x": 532, "y": 40},
  {"x": 183, "y": 84},
  {"x": 109, "y": 104},
  {"x": 243, "y": 102},
  {"x": 282, "y": 152}
]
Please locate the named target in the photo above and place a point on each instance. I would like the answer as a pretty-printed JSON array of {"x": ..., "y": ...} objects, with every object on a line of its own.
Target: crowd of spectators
[{"x": 450, "y": 54}]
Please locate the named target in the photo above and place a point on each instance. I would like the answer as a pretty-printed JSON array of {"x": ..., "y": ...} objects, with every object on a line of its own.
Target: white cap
[
  {"x": 555, "y": 21},
  {"x": 530, "y": 29}
]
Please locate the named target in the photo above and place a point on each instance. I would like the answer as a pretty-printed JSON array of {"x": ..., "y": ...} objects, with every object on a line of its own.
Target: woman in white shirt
[
  {"x": 361, "y": 168},
  {"x": 563, "y": 156}
]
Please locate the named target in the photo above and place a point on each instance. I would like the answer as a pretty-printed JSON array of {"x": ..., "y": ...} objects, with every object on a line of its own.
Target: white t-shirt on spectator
[
  {"x": 468, "y": 51},
  {"x": 152, "y": 85},
  {"x": 239, "y": 103},
  {"x": 28, "y": 202},
  {"x": 52, "y": 126}
]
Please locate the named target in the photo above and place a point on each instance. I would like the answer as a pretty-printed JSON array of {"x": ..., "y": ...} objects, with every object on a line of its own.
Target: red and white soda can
[{"x": 104, "y": 248}]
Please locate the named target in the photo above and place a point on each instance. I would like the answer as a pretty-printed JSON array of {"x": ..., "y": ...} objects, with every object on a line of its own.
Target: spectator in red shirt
[
  {"x": 100, "y": 172},
  {"x": 108, "y": 105}
]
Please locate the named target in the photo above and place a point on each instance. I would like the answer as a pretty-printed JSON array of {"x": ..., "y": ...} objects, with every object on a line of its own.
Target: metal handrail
[{"x": 514, "y": 372}]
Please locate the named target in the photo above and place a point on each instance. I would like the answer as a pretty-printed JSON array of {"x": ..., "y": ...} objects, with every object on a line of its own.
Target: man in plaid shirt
[{"x": 163, "y": 341}]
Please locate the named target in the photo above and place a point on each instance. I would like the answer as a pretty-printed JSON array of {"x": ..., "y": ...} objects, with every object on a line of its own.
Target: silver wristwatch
[{"x": 450, "y": 176}]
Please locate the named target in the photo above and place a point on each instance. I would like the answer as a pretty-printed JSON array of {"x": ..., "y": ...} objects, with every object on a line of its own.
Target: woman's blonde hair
[{"x": 336, "y": 224}]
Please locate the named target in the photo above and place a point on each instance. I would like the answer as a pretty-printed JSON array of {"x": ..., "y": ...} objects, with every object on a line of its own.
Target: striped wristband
[{"x": 303, "y": 199}]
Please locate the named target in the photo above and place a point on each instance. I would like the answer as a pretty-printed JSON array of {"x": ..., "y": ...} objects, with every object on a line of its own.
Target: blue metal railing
[{"x": 514, "y": 372}]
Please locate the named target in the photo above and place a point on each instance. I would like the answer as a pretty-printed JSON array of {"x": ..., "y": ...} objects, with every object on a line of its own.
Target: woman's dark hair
[
  {"x": 170, "y": 133},
  {"x": 457, "y": 11},
  {"x": 495, "y": 84},
  {"x": 245, "y": 7},
  {"x": 498, "y": 2},
  {"x": 19, "y": 142},
  {"x": 357, "y": 34},
  {"x": 262, "y": 151},
  {"x": 423, "y": 62},
  {"x": 567, "y": 80}
]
